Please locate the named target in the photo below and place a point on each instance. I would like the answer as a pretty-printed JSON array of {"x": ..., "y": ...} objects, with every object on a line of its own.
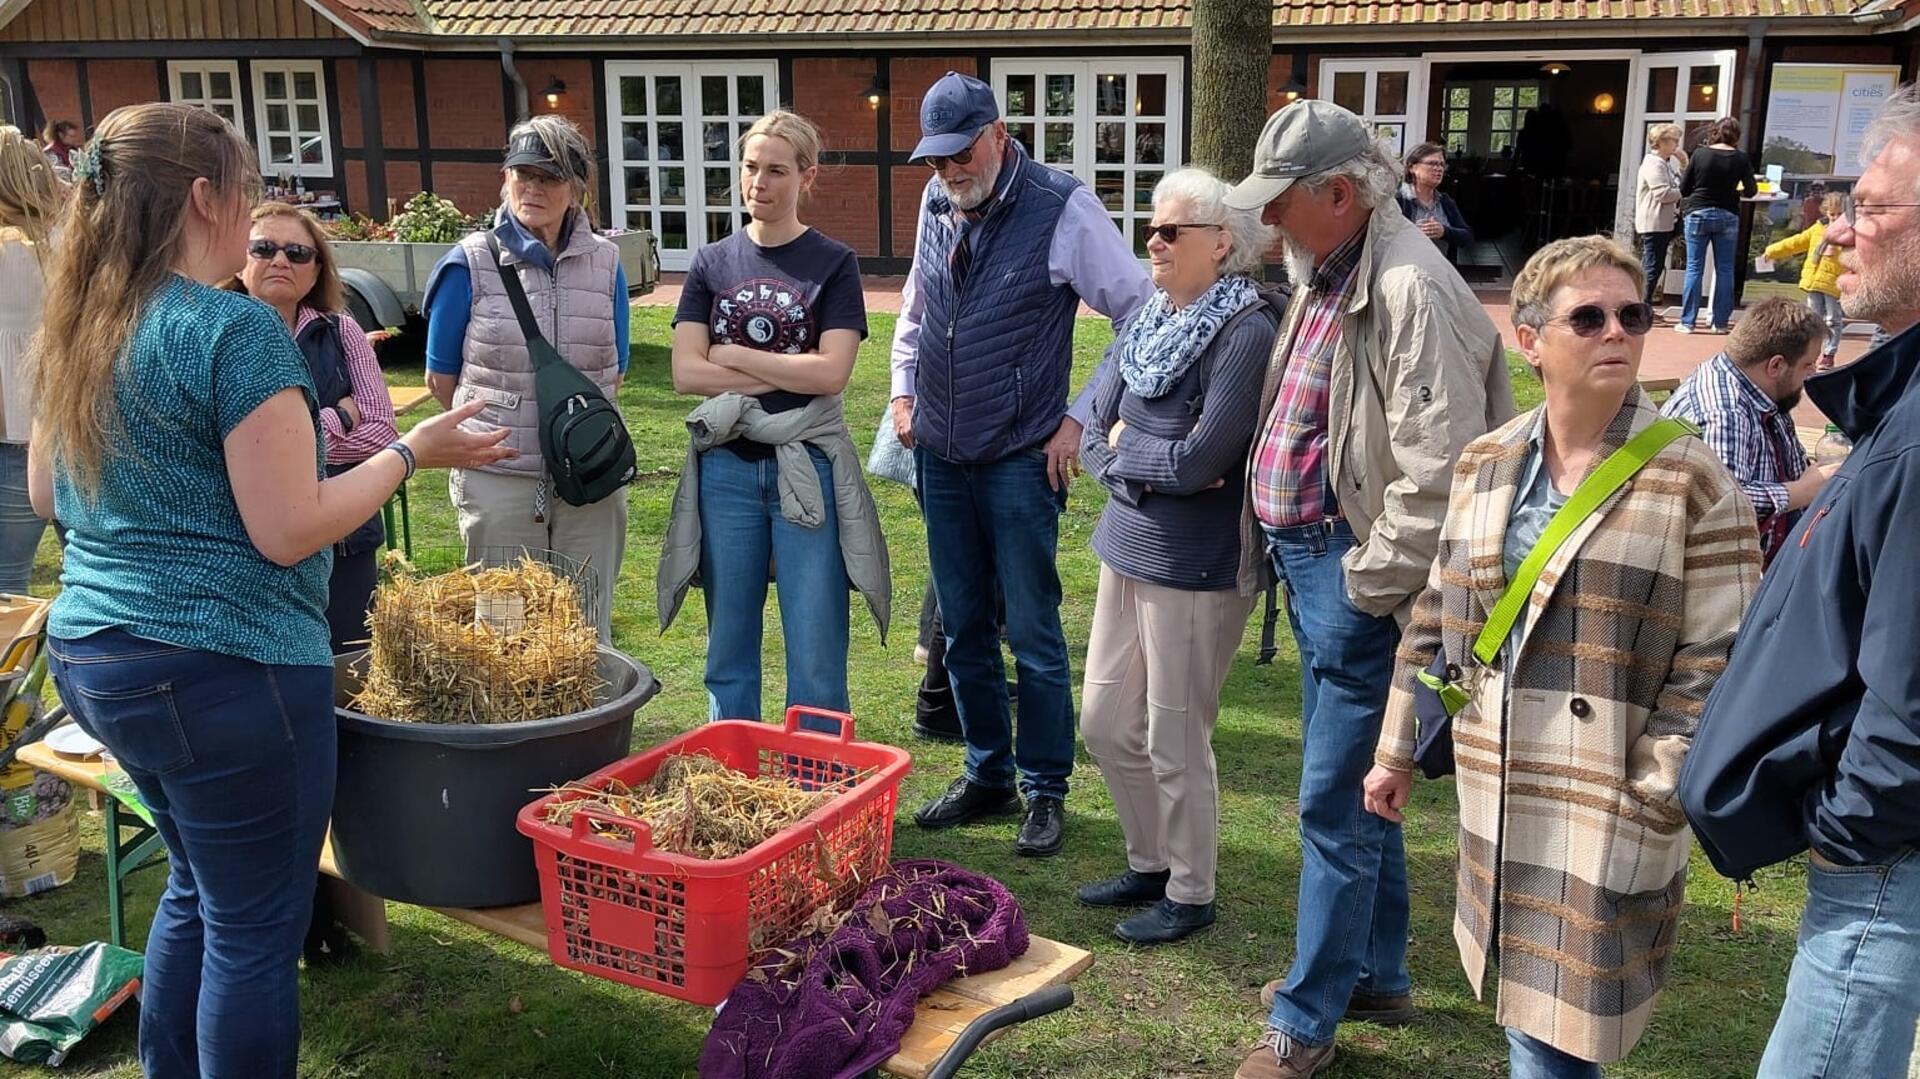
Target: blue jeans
[
  {"x": 1828, "y": 308},
  {"x": 740, "y": 530},
  {"x": 20, "y": 527},
  {"x": 1718, "y": 229},
  {"x": 1353, "y": 910},
  {"x": 999, "y": 522},
  {"x": 1854, "y": 994},
  {"x": 1653, "y": 261},
  {"x": 1530, "y": 1058},
  {"x": 236, "y": 760}
]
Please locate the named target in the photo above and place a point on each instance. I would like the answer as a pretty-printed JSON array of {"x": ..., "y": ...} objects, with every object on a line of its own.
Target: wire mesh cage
[{"x": 503, "y": 636}]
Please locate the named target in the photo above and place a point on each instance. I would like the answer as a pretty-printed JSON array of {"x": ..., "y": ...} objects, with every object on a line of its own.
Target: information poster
[{"x": 1817, "y": 116}]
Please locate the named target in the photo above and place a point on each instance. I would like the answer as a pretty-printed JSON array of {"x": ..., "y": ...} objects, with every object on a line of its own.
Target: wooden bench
[{"x": 941, "y": 1019}]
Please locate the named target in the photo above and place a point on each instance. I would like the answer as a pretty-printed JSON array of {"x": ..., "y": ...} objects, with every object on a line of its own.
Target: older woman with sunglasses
[
  {"x": 1168, "y": 435},
  {"x": 290, "y": 267},
  {"x": 1573, "y": 847}
]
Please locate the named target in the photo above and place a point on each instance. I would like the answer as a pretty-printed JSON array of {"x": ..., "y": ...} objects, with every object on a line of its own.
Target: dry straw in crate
[{"x": 503, "y": 644}]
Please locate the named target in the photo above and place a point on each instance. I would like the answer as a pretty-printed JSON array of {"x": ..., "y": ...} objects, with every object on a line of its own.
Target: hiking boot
[
  {"x": 1165, "y": 922},
  {"x": 1044, "y": 831},
  {"x": 1280, "y": 1057},
  {"x": 967, "y": 801},
  {"x": 935, "y": 718},
  {"x": 1387, "y": 1011},
  {"x": 1129, "y": 889}
]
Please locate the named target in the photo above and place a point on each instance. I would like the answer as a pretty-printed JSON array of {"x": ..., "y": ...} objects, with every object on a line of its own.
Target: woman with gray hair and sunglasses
[
  {"x": 1168, "y": 436},
  {"x": 476, "y": 350}
]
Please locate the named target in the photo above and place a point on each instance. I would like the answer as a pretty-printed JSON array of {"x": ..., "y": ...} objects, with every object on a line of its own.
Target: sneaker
[
  {"x": 1386, "y": 1011},
  {"x": 1718, "y": 331},
  {"x": 1165, "y": 922},
  {"x": 1681, "y": 327},
  {"x": 1043, "y": 833},
  {"x": 967, "y": 801},
  {"x": 1278, "y": 1056},
  {"x": 1129, "y": 889}
]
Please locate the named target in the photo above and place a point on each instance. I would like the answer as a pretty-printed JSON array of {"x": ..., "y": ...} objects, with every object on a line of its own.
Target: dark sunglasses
[
  {"x": 1171, "y": 233},
  {"x": 1590, "y": 320},
  {"x": 298, "y": 254},
  {"x": 936, "y": 162}
]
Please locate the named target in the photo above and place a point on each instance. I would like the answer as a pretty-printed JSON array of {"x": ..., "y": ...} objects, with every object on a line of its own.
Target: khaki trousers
[
  {"x": 497, "y": 512},
  {"x": 1156, "y": 660}
]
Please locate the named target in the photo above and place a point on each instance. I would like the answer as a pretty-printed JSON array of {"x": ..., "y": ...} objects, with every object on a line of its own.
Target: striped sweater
[{"x": 1573, "y": 850}]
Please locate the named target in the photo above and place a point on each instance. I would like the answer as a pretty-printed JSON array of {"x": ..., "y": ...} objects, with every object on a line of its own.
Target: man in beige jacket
[{"x": 1386, "y": 369}]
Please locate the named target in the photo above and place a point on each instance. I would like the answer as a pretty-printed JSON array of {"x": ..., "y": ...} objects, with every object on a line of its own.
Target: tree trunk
[{"x": 1232, "y": 49}]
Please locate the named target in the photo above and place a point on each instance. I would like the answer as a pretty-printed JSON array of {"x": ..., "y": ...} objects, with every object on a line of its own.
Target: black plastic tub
[{"x": 424, "y": 812}]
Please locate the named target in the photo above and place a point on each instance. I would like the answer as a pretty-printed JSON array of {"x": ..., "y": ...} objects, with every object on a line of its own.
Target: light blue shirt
[
  {"x": 1088, "y": 253},
  {"x": 1535, "y": 502}
]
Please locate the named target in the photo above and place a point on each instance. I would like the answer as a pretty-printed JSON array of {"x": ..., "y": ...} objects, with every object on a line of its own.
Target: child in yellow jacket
[{"x": 1820, "y": 276}]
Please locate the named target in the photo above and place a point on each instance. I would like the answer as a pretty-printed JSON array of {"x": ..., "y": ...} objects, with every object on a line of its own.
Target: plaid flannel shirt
[
  {"x": 1289, "y": 474},
  {"x": 1751, "y": 434}
]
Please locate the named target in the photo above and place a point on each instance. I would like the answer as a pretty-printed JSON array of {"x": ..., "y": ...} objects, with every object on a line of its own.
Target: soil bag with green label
[{"x": 50, "y": 998}]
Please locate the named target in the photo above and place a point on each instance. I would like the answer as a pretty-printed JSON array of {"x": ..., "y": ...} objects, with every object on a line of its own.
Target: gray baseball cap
[{"x": 1304, "y": 138}]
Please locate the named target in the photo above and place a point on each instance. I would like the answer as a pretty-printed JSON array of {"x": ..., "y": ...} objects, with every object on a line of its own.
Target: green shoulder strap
[{"x": 1613, "y": 474}]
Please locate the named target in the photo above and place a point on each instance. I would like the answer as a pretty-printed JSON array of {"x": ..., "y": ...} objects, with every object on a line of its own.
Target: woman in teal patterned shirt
[{"x": 174, "y": 433}]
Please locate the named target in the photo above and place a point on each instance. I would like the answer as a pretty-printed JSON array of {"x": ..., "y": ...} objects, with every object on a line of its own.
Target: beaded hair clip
[{"x": 85, "y": 162}]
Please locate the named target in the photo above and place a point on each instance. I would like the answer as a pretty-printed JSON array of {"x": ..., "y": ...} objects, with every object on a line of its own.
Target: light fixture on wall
[
  {"x": 555, "y": 92},
  {"x": 1707, "y": 90},
  {"x": 1555, "y": 68},
  {"x": 875, "y": 92},
  {"x": 1603, "y": 103}
]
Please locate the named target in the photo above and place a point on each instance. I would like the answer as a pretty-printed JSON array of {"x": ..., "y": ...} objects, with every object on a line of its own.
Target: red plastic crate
[{"x": 687, "y": 927}]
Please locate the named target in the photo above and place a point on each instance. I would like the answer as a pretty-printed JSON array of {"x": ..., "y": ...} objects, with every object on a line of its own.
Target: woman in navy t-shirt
[{"x": 773, "y": 313}]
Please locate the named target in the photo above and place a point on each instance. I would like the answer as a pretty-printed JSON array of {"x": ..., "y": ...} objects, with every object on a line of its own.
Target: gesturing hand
[{"x": 440, "y": 441}]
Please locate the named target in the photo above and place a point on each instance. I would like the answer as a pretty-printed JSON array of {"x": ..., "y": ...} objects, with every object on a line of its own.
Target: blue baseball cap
[{"x": 952, "y": 114}]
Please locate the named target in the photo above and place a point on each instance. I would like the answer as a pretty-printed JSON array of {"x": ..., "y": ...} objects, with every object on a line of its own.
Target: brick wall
[
  {"x": 1279, "y": 71},
  {"x": 577, "y": 105},
  {"x": 56, "y": 83},
  {"x": 845, "y": 205},
  {"x": 472, "y": 186},
  {"x": 832, "y": 93},
  {"x": 114, "y": 83},
  {"x": 1839, "y": 54},
  {"x": 907, "y": 84},
  {"x": 464, "y": 105},
  {"x": 908, "y": 182}
]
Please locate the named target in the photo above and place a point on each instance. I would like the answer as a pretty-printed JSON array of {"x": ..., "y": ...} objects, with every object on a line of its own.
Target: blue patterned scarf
[{"x": 1161, "y": 343}]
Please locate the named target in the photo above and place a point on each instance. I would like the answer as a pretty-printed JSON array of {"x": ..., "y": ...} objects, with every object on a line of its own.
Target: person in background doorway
[
  {"x": 1819, "y": 274},
  {"x": 1432, "y": 210},
  {"x": 1743, "y": 399},
  {"x": 1656, "y": 205},
  {"x": 1007, "y": 249},
  {"x": 769, "y": 322},
  {"x": 476, "y": 351},
  {"x": 62, "y": 138},
  {"x": 1811, "y": 207},
  {"x": 175, "y": 432},
  {"x": 1572, "y": 848},
  {"x": 29, "y": 203},
  {"x": 1717, "y": 176},
  {"x": 1811, "y": 742}
]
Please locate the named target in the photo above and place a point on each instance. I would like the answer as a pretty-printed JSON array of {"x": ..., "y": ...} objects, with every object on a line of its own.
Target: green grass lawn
[{"x": 450, "y": 1000}]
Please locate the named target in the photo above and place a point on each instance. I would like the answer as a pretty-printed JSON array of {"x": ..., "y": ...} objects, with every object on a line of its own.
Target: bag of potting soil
[{"x": 51, "y": 998}]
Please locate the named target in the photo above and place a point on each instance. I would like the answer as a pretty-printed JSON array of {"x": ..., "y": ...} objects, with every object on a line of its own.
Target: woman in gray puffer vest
[
  {"x": 476, "y": 350},
  {"x": 770, "y": 319}
]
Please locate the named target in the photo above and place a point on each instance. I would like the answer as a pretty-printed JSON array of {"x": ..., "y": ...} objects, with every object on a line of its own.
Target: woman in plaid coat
[{"x": 1573, "y": 849}]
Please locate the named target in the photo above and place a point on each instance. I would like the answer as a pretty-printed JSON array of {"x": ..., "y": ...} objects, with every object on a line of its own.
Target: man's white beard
[
  {"x": 968, "y": 197},
  {"x": 1299, "y": 263},
  {"x": 1891, "y": 293}
]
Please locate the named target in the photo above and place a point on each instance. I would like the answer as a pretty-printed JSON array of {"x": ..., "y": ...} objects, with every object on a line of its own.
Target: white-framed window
[
  {"x": 1115, "y": 124},
  {"x": 675, "y": 152},
  {"x": 290, "y": 118},
  {"x": 1483, "y": 118},
  {"x": 210, "y": 84},
  {"x": 1390, "y": 95}
]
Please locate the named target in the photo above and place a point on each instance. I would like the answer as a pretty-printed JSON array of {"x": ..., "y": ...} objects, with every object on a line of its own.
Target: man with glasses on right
[
  {"x": 1007, "y": 249},
  {"x": 1811, "y": 738}
]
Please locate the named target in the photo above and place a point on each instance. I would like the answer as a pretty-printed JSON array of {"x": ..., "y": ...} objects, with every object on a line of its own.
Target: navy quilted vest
[{"x": 996, "y": 355}]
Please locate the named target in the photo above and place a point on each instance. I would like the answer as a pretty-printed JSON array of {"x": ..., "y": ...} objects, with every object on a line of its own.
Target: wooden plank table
[
  {"x": 407, "y": 398},
  {"x": 941, "y": 1017}
]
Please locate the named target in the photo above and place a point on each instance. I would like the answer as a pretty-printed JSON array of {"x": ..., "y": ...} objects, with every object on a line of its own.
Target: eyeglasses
[
  {"x": 1436, "y": 162},
  {"x": 298, "y": 254},
  {"x": 936, "y": 162},
  {"x": 1590, "y": 320},
  {"x": 1878, "y": 209},
  {"x": 1171, "y": 233}
]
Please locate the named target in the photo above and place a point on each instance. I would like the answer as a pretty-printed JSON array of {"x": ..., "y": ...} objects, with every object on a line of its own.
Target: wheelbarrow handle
[{"x": 1032, "y": 1006}]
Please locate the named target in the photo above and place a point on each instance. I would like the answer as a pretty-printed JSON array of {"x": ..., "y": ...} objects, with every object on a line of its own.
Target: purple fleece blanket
[{"x": 838, "y": 1004}]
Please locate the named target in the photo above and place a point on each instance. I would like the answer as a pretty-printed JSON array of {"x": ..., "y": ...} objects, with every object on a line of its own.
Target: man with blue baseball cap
[{"x": 982, "y": 368}]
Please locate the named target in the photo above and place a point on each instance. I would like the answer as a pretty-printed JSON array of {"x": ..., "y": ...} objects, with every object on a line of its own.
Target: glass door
[
  {"x": 1691, "y": 89},
  {"x": 1390, "y": 95}
]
